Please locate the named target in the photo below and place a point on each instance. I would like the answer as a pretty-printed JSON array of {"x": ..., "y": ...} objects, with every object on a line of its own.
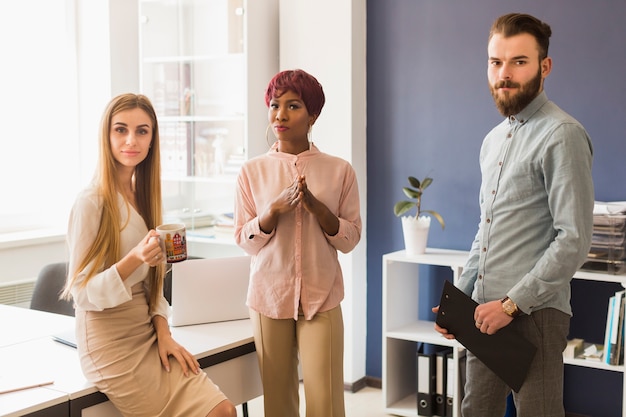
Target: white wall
[
  {"x": 22, "y": 259},
  {"x": 327, "y": 38}
]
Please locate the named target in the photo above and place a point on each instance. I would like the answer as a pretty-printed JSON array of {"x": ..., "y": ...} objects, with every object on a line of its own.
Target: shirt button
[
  {"x": 493, "y": 192},
  {"x": 480, "y": 276},
  {"x": 500, "y": 163},
  {"x": 484, "y": 249},
  {"x": 509, "y": 135},
  {"x": 488, "y": 220}
]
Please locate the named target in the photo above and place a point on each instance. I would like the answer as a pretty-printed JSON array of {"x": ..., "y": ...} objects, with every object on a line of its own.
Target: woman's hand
[
  {"x": 327, "y": 220},
  {"x": 149, "y": 250},
  {"x": 169, "y": 347},
  {"x": 285, "y": 202}
]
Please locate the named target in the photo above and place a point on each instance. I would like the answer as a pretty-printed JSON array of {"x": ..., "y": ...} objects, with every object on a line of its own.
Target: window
[{"x": 39, "y": 145}]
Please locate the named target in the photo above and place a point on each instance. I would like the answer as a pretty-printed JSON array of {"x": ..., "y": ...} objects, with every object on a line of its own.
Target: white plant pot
[{"x": 415, "y": 234}]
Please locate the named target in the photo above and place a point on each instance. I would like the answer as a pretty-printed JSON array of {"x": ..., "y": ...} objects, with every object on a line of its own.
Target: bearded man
[{"x": 536, "y": 206}]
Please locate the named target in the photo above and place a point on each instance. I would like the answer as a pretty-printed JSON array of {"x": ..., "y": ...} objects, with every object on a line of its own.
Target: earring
[
  {"x": 267, "y": 135},
  {"x": 309, "y": 136}
]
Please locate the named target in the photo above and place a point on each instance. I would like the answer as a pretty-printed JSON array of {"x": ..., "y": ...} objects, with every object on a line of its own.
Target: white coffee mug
[{"x": 173, "y": 241}]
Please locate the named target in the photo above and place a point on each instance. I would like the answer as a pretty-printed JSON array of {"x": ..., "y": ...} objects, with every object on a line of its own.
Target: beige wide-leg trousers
[{"x": 319, "y": 343}]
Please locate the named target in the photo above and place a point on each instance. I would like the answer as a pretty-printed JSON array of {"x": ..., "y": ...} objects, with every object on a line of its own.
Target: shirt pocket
[{"x": 517, "y": 183}]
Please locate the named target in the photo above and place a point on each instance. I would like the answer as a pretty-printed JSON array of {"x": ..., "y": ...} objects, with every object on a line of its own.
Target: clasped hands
[
  {"x": 285, "y": 202},
  {"x": 488, "y": 318},
  {"x": 297, "y": 192}
]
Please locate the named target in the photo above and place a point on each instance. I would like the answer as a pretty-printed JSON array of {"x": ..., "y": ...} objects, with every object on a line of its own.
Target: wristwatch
[{"x": 509, "y": 307}]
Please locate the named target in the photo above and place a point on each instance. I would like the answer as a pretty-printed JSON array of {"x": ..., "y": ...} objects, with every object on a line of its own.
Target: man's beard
[{"x": 508, "y": 103}]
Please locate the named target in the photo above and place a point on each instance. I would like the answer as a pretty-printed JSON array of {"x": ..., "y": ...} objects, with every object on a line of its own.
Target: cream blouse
[{"x": 106, "y": 289}]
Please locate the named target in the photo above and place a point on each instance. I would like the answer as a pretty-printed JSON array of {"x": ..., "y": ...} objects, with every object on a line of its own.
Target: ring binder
[{"x": 425, "y": 384}]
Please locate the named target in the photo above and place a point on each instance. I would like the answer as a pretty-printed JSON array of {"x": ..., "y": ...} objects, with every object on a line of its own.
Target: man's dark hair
[{"x": 515, "y": 23}]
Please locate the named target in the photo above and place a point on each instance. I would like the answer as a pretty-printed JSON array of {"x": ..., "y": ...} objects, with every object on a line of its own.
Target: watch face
[{"x": 509, "y": 307}]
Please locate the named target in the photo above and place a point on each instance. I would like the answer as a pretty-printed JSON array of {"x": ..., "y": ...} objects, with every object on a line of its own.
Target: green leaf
[
  {"x": 402, "y": 207},
  {"x": 411, "y": 193},
  {"x": 414, "y": 182},
  {"x": 427, "y": 181}
]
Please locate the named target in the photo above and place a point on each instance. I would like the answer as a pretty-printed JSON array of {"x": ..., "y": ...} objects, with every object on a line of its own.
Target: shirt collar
[
  {"x": 274, "y": 152},
  {"x": 528, "y": 111}
]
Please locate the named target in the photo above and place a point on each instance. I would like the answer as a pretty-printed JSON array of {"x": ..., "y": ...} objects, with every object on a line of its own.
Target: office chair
[{"x": 48, "y": 286}]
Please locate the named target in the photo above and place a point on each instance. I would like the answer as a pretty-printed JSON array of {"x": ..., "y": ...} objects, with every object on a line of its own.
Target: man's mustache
[{"x": 506, "y": 84}]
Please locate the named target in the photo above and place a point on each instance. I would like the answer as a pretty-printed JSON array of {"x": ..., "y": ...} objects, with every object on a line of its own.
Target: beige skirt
[{"x": 118, "y": 354}]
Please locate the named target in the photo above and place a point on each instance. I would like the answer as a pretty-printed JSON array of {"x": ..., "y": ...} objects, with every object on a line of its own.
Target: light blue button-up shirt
[{"x": 536, "y": 209}]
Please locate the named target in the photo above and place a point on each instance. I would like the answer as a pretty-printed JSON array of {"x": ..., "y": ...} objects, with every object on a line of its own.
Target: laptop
[
  {"x": 67, "y": 338},
  {"x": 210, "y": 290}
]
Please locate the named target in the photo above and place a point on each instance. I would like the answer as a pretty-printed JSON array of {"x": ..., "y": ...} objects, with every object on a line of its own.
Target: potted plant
[{"x": 416, "y": 228}]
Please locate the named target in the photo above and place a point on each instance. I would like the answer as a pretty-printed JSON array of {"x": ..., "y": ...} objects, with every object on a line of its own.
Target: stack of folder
[
  {"x": 435, "y": 382},
  {"x": 608, "y": 242}
]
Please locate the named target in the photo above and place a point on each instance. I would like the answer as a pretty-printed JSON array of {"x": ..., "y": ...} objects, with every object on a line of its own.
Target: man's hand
[
  {"x": 490, "y": 317},
  {"x": 440, "y": 329}
]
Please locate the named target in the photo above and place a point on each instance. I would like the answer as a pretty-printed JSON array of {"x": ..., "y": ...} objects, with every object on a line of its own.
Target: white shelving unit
[
  {"x": 205, "y": 66},
  {"x": 402, "y": 329}
]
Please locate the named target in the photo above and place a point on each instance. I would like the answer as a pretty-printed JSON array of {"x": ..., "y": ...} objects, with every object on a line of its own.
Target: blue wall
[{"x": 429, "y": 108}]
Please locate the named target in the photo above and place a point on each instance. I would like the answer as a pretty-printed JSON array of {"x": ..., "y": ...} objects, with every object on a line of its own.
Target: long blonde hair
[{"x": 105, "y": 250}]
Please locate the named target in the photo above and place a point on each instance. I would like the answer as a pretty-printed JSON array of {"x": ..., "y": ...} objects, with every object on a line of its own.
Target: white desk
[
  {"x": 225, "y": 352},
  {"x": 21, "y": 324}
]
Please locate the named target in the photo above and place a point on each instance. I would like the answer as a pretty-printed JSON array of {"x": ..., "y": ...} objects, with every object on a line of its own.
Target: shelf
[
  {"x": 211, "y": 235},
  {"x": 421, "y": 331},
  {"x": 585, "y": 363},
  {"x": 436, "y": 257},
  {"x": 215, "y": 179},
  {"x": 191, "y": 58},
  {"x": 402, "y": 330},
  {"x": 197, "y": 119},
  {"x": 600, "y": 276},
  {"x": 405, "y": 407}
]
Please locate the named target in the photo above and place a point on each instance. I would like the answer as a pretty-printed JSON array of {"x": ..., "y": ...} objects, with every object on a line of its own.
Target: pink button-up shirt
[{"x": 296, "y": 264}]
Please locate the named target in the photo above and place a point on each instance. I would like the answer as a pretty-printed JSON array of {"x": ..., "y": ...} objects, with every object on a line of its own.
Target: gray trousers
[{"x": 542, "y": 392}]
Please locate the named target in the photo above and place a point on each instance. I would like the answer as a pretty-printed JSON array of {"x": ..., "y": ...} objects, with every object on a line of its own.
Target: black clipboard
[{"x": 506, "y": 353}]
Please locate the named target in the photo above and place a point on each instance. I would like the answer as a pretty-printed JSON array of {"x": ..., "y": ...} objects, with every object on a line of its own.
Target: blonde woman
[{"x": 116, "y": 278}]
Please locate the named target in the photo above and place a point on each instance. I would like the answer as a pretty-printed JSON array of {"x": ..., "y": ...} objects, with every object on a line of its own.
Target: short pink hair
[{"x": 300, "y": 82}]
